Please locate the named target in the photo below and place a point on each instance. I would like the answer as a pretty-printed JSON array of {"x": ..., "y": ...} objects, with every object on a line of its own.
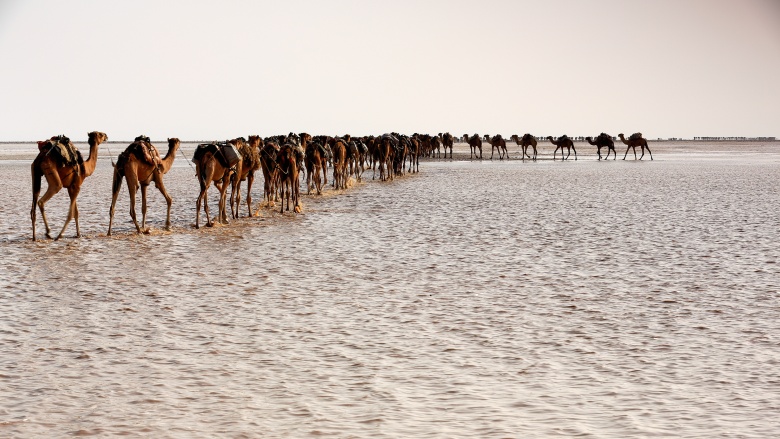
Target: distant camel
[
  {"x": 635, "y": 140},
  {"x": 475, "y": 142},
  {"x": 289, "y": 184},
  {"x": 486, "y": 137},
  {"x": 447, "y": 142},
  {"x": 498, "y": 142},
  {"x": 563, "y": 142},
  {"x": 316, "y": 162},
  {"x": 60, "y": 174},
  {"x": 339, "y": 150},
  {"x": 268, "y": 165},
  {"x": 465, "y": 138},
  {"x": 138, "y": 171},
  {"x": 603, "y": 141},
  {"x": 524, "y": 142}
]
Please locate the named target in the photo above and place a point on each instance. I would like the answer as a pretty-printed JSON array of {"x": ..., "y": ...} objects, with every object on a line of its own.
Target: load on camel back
[
  {"x": 635, "y": 136},
  {"x": 224, "y": 152},
  {"x": 62, "y": 150},
  {"x": 142, "y": 149}
]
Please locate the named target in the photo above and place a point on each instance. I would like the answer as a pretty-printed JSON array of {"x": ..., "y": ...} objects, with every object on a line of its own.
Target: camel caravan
[{"x": 284, "y": 161}]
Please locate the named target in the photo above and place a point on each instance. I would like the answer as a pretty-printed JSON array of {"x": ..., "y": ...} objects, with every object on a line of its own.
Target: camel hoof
[{"x": 147, "y": 231}]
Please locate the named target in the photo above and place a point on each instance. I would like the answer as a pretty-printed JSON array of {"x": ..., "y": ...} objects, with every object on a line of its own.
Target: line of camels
[
  {"x": 280, "y": 158},
  {"x": 227, "y": 164},
  {"x": 603, "y": 140}
]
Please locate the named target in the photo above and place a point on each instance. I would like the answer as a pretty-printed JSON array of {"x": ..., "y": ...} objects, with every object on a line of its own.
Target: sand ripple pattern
[{"x": 476, "y": 299}]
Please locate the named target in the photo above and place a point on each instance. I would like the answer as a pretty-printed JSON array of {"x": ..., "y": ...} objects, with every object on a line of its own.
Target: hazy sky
[{"x": 222, "y": 69}]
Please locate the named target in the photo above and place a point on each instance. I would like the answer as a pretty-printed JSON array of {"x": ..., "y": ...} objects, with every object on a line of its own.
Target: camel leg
[
  {"x": 143, "y": 208},
  {"x": 249, "y": 180},
  {"x": 54, "y": 186},
  {"x": 161, "y": 187},
  {"x": 626, "y": 154},
  {"x": 73, "y": 192},
  {"x": 132, "y": 187},
  {"x": 615, "y": 152},
  {"x": 117, "y": 186},
  {"x": 575, "y": 152},
  {"x": 648, "y": 150}
]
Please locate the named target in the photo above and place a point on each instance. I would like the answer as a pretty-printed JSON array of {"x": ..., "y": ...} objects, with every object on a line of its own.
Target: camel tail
[{"x": 117, "y": 181}]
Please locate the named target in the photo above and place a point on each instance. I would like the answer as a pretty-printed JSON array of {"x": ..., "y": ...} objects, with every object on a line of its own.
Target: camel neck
[{"x": 91, "y": 161}]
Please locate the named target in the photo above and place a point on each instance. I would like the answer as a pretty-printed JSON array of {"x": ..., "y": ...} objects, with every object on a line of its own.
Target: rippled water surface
[{"x": 475, "y": 299}]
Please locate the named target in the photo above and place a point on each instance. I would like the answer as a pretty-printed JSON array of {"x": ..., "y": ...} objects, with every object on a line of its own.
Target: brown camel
[
  {"x": 447, "y": 142},
  {"x": 268, "y": 165},
  {"x": 465, "y": 138},
  {"x": 316, "y": 161},
  {"x": 287, "y": 168},
  {"x": 497, "y": 142},
  {"x": 133, "y": 167},
  {"x": 250, "y": 163},
  {"x": 211, "y": 165},
  {"x": 475, "y": 142},
  {"x": 59, "y": 175},
  {"x": 339, "y": 149},
  {"x": 563, "y": 142},
  {"x": 603, "y": 140},
  {"x": 524, "y": 142},
  {"x": 635, "y": 140}
]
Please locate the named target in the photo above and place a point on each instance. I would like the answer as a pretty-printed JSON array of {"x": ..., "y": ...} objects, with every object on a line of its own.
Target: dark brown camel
[
  {"x": 134, "y": 166},
  {"x": 210, "y": 166},
  {"x": 447, "y": 142},
  {"x": 524, "y": 142},
  {"x": 563, "y": 142},
  {"x": 315, "y": 162},
  {"x": 603, "y": 140},
  {"x": 287, "y": 169},
  {"x": 635, "y": 140},
  {"x": 497, "y": 142},
  {"x": 268, "y": 165},
  {"x": 60, "y": 175},
  {"x": 475, "y": 142}
]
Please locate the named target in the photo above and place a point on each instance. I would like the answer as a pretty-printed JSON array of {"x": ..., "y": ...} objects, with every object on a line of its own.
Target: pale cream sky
[{"x": 215, "y": 70}]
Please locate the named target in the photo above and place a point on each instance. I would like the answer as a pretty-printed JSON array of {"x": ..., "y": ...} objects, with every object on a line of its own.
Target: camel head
[
  {"x": 96, "y": 137},
  {"x": 173, "y": 142},
  {"x": 621, "y": 136}
]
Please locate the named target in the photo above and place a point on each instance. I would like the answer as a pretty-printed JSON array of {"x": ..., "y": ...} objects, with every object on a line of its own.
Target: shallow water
[{"x": 475, "y": 299}]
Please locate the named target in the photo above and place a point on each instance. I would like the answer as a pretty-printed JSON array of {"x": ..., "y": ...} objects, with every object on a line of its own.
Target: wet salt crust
[{"x": 475, "y": 299}]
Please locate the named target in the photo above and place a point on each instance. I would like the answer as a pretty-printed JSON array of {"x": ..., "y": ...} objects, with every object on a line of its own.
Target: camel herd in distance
[
  {"x": 526, "y": 141},
  {"x": 280, "y": 158}
]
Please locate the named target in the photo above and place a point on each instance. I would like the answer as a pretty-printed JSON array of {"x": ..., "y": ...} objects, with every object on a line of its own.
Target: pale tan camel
[
  {"x": 58, "y": 177},
  {"x": 140, "y": 173}
]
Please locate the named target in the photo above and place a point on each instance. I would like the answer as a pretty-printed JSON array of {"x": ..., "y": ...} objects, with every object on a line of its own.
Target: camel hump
[{"x": 635, "y": 136}]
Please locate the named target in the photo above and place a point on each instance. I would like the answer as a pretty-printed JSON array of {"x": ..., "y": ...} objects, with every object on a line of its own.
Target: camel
[
  {"x": 414, "y": 154},
  {"x": 465, "y": 138},
  {"x": 139, "y": 172},
  {"x": 268, "y": 165},
  {"x": 498, "y": 143},
  {"x": 287, "y": 169},
  {"x": 447, "y": 142},
  {"x": 386, "y": 156},
  {"x": 339, "y": 163},
  {"x": 475, "y": 142},
  {"x": 61, "y": 176},
  {"x": 563, "y": 142},
  {"x": 250, "y": 163},
  {"x": 635, "y": 140},
  {"x": 486, "y": 137},
  {"x": 316, "y": 161},
  {"x": 603, "y": 140},
  {"x": 524, "y": 142},
  {"x": 211, "y": 167}
]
